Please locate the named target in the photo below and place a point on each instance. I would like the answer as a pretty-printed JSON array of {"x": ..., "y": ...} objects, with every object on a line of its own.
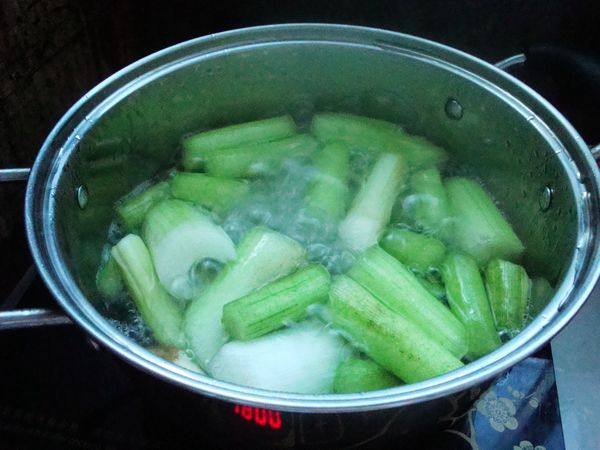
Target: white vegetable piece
[
  {"x": 301, "y": 359},
  {"x": 372, "y": 206},
  {"x": 263, "y": 256},
  {"x": 178, "y": 236},
  {"x": 156, "y": 306}
]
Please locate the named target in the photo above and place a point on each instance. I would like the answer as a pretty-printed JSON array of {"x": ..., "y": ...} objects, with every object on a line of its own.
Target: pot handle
[
  {"x": 29, "y": 318},
  {"x": 20, "y": 174},
  {"x": 26, "y": 318},
  {"x": 577, "y": 69}
]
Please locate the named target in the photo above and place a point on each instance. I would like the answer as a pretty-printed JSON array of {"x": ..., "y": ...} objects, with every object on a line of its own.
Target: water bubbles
[
  {"x": 135, "y": 328},
  {"x": 204, "y": 271},
  {"x": 360, "y": 162},
  {"x": 320, "y": 311},
  {"x": 260, "y": 214},
  {"x": 236, "y": 226},
  {"x": 340, "y": 261},
  {"x": 307, "y": 228},
  {"x": 317, "y": 251},
  {"x": 277, "y": 202}
]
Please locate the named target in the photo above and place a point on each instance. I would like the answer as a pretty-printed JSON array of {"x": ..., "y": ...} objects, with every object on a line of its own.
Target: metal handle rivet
[
  {"x": 454, "y": 110},
  {"x": 546, "y": 198},
  {"x": 82, "y": 196}
]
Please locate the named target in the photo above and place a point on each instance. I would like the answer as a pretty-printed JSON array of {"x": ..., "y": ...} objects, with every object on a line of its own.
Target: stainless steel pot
[{"x": 128, "y": 127}]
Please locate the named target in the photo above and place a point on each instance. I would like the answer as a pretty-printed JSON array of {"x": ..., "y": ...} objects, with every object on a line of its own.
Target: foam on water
[
  {"x": 277, "y": 202},
  {"x": 133, "y": 326}
]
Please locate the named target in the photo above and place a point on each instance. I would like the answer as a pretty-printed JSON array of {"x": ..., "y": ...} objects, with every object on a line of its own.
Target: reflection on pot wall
[{"x": 140, "y": 134}]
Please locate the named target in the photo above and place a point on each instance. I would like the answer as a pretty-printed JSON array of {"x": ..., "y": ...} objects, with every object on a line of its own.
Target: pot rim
[{"x": 569, "y": 297}]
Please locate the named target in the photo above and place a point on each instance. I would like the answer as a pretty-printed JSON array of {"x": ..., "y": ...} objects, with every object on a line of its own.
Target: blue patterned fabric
[{"x": 518, "y": 412}]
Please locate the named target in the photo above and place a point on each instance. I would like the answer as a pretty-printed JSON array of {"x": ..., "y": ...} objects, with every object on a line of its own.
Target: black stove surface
[{"x": 59, "y": 389}]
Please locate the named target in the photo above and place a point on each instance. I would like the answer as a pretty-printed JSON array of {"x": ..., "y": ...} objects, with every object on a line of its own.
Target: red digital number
[
  {"x": 247, "y": 412},
  {"x": 275, "y": 420},
  {"x": 260, "y": 416}
]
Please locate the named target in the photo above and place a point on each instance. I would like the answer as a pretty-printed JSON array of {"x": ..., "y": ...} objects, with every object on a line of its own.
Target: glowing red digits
[{"x": 260, "y": 416}]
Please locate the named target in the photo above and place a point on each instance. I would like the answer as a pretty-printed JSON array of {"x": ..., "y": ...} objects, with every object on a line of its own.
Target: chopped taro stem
[
  {"x": 508, "y": 288},
  {"x": 420, "y": 153},
  {"x": 328, "y": 193},
  {"x": 258, "y": 159},
  {"x": 377, "y": 136},
  {"x": 279, "y": 302},
  {"x": 263, "y": 256},
  {"x": 371, "y": 209},
  {"x": 195, "y": 147},
  {"x": 390, "y": 339},
  {"x": 132, "y": 210},
  {"x": 155, "y": 305},
  {"x": 362, "y": 375},
  {"x": 440, "y": 285},
  {"x": 301, "y": 359},
  {"x": 415, "y": 250},
  {"x": 468, "y": 301},
  {"x": 215, "y": 193},
  {"x": 108, "y": 279},
  {"x": 427, "y": 204},
  {"x": 179, "y": 236},
  {"x": 388, "y": 280},
  {"x": 479, "y": 228}
]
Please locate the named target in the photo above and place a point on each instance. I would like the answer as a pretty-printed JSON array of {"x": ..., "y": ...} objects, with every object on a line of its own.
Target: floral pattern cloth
[
  {"x": 518, "y": 412},
  {"x": 500, "y": 410}
]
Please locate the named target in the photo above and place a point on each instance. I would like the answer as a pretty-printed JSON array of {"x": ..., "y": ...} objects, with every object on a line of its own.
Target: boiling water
[
  {"x": 274, "y": 201},
  {"x": 277, "y": 202}
]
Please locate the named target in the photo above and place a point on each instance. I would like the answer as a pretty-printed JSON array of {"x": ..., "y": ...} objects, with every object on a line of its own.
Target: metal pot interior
[
  {"x": 139, "y": 136},
  {"x": 130, "y": 128}
]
